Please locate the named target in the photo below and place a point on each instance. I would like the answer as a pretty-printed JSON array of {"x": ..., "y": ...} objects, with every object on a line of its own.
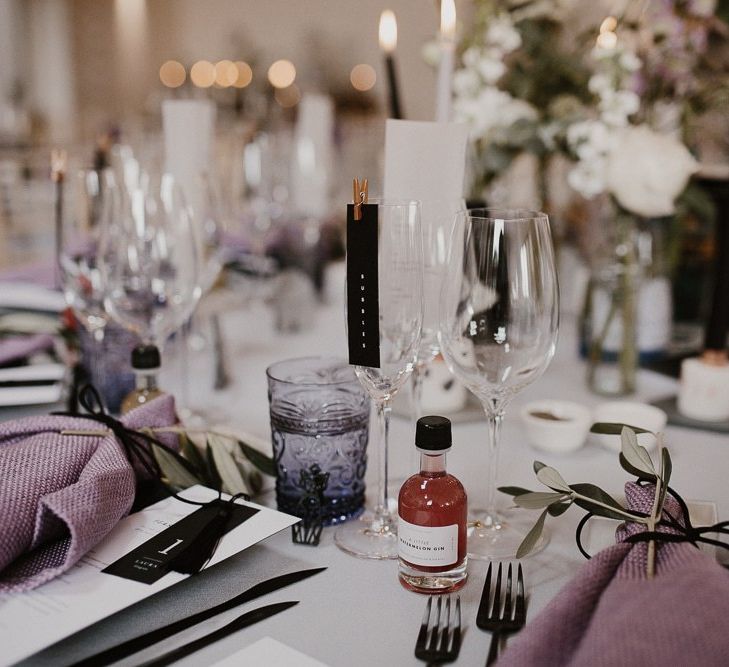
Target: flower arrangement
[{"x": 620, "y": 108}]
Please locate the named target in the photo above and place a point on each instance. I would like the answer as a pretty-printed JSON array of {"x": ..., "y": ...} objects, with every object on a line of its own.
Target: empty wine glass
[
  {"x": 499, "y": 318},
  {"x": 400, "y": 293},
  {"x": 83, "y": 224},
  {"x": 82, "y": 227},
  {"x": 437, "y": 216},
  {"x": 152, "y": 265}
]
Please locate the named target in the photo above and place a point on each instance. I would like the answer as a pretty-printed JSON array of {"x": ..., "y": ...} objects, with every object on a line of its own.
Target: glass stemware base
[
  {"x": 371, "y": 536},
  {"x": 497, "y": 536}
]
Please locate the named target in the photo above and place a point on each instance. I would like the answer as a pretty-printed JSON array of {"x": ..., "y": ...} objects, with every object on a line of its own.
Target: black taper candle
[
  {"x": 718, "y": 323},
  {"x": 395, "y": 109}
]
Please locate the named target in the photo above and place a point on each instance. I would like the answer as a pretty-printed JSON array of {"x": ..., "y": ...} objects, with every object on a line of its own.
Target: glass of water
[{"x": 319, "y": 426}]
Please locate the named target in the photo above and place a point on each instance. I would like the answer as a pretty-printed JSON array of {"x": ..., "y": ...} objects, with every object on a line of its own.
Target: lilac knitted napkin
[
  {"x": 61, "y": 494},
  {"x": 14, "y": 348},
  {"x": 612, "y": 614}
]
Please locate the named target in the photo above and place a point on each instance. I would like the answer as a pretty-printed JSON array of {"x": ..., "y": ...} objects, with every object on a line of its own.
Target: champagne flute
[
  {"x": 400, "y": 293},
  {"x": 499, "y": 318}
]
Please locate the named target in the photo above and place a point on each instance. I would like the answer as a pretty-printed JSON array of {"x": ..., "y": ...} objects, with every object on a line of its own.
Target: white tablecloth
[{"x": 356, "y": 613}]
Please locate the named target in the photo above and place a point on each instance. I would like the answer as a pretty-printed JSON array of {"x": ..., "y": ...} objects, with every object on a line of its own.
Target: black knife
[
  {"x": 135, "y": 644},
  {"x": 249, "y": 618}
]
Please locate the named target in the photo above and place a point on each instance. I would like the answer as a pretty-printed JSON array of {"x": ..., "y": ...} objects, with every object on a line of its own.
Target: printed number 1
[{"x": 170, "y": 548}]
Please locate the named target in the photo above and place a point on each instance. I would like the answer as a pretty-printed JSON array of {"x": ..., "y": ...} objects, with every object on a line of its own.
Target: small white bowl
[
  {"x": 633, "y": 414},
  {"x": 564, "y": 434}
]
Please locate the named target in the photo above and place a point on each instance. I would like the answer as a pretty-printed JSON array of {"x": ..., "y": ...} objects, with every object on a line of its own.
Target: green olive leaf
[
  {"x": 190, "y": 451},
  {"x": 513, "y": 490},
  {"x": 264, "y": 463},
  {"x": 532, "y": 537},
  {"x": 636, "y": 455},
  {"x": 226, "y": 466},
  {"x": 555, "y": 509},
  {"x": 538, "y": 465},
  {"x": 551, "y": 478},
  {"x": 634, "y": 471},
  {"x": 613, "y": 428},
  {"x": 175, "y": 469},
  {"x": 666, "y": 469},
  {"x": 214, "y": 480},
  {"x": 598, "y": 495},
  {"x": 537, "y": 499}
]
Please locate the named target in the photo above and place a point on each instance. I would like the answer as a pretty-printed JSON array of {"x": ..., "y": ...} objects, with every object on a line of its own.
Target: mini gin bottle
[
  {"x": 145, "y": 364},
  {"x": 432, "y": 514}
]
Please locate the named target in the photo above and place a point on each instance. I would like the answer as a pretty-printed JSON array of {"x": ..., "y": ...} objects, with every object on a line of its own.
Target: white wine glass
[
  {"x": 499, "y": 319},
  {"x": 151, "y": 266}
]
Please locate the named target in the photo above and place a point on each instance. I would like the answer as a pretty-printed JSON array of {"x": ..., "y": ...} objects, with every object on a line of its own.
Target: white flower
[
  {"x": 588, "y": 177},
  {"x": 515, "y": 109},
  {"x": 646, "y": 170},
  {"x": 502, "y": 34},
  {"x": 471, "y": 57},
  {"x": 466, "y": 82},
  {"x": 490, "y": 110},
  {"x": 704, "y": 8},
  {"x": 547, "y": 133},
  {"x": 589, "y": 139},
  {"x": 616, "y": 106},
  {"x": 630, "y": 62},
  {"x": 432, "y": 53},
  {"x": 491, "y": 69},
  {"x": 599, "y": 84}
]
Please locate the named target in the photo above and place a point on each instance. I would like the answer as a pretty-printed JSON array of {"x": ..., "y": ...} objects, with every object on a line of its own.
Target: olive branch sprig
[{"x": 634, "y": 459}]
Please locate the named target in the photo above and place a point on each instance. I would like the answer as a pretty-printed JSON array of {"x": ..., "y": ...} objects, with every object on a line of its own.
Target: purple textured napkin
[
  {"x": 612, "y": 614},
  {"x": 39, "y": 273},
  {"x": 14, "y": 348},
  {"x": 60, "y": 495}
]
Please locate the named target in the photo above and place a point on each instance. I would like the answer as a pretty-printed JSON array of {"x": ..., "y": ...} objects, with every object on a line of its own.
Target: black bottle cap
[
  {"x": 145, "y": 357},
  {"x": 433, "y": 433}
]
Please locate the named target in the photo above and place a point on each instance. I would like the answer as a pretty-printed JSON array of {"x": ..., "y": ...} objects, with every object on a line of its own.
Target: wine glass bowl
[
  {"x": 82, "y": 228},
  {"x": 152, "y": 262},
  {"x": 499, "y": 319}
]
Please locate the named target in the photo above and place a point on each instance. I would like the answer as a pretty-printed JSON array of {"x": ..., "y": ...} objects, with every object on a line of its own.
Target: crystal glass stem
[
  {"x": 416, "y": 395},
  {"x": 98, "y": 358},
  {"x": 383, "y": 518},
  {"x": 494, "y": 424}
]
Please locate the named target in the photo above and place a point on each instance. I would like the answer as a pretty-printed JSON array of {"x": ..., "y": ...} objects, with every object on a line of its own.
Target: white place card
[
  {"x": 271, "y": 653},
  {"x": 36, "y": 619},
  {"x": 427, "y": 162}
]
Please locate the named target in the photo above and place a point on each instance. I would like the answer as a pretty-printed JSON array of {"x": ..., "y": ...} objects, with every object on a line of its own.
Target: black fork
[
  {"x": 499, "y": 614},
  {"x": 439, "y": 639}
]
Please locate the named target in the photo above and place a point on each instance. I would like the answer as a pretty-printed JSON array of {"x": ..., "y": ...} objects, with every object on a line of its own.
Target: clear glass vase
[{"x": 610, "y": 315}]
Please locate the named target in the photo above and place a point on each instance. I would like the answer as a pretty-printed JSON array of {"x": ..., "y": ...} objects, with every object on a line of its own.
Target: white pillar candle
[
  {"x": 447, "y": 59},
  {"x": 189, "y": 128},
  {"x": 311, "y": 166}
]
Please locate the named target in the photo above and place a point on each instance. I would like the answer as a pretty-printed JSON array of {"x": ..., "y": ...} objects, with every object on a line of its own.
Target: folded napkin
[
  {"x": 38, "y": 273},
  {"x": 612, "y": 614},
  {"x": 61, "y": 494},
  {"x": 15, "y": 348}
]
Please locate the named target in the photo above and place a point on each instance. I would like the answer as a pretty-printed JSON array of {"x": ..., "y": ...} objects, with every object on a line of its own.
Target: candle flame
[
  {"x": 448, "y": 19},
  {"x": 388, "y": 31}
]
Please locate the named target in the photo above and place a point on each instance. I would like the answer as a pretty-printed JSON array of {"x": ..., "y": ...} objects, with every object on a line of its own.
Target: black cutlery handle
[
  {"x": 125, "y": 649},
  {"x": 249, "y": 618},
  {"x": 493, "y": 649}
]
